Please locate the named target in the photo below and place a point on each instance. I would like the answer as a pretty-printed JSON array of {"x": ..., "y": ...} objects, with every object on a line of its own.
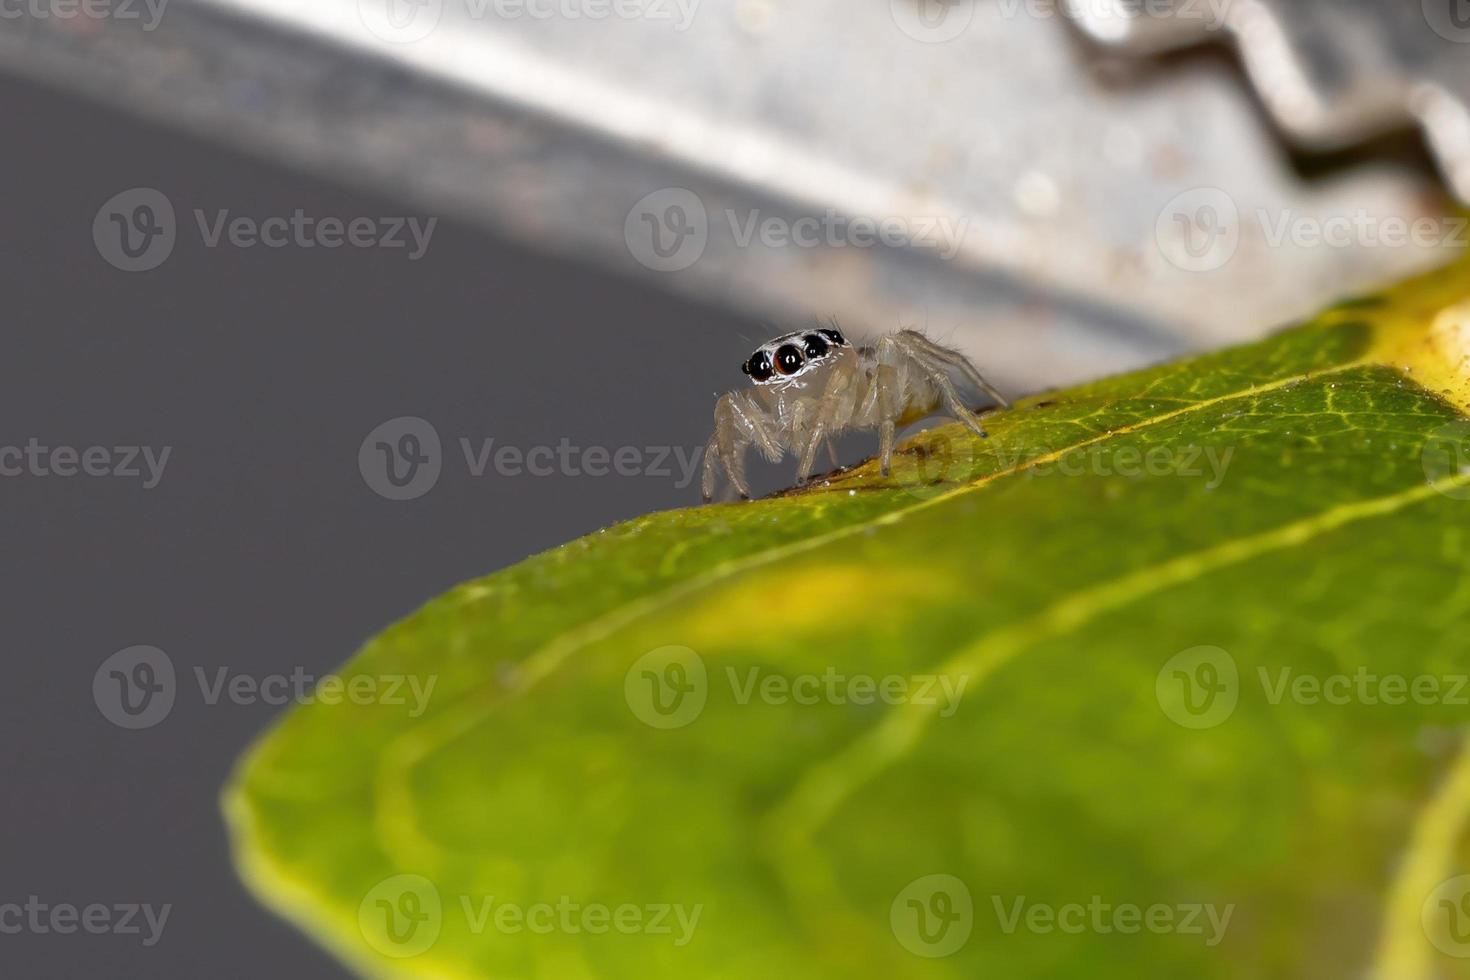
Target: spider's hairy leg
[
  {"x": 808, "y": 454},
  {"x": 726, "y": 448},
  {"x": 952, "y": 400},
  {"x": 885, "y": 446},
  {"x": 753, "y": 420},
  {"x": 953, "y": 358},
  {"x": 803, "y": 426},
  {"x": 934, "y": 371},
  {"x": 838, "y": 385},
  {"x": 885, "y": 384},
  {"x": 711, "y": 468}
]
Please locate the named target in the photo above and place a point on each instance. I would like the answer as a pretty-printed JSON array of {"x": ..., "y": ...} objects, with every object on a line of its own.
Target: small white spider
[{"x": 812, "y": 385}]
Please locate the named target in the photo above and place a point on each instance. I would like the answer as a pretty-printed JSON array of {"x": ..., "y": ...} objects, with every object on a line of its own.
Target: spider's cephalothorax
[
  {"x": 792, "y": 356},
  {"x": 809, "y": 386}
]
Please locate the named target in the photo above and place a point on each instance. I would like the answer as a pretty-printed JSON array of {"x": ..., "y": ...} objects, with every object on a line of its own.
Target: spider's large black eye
[
  {"x": 815, "y": 346},
  {"x": 788, "y": 359},
  {"x": 758, "y": 367},
  {"x": 833, "y": 335}
]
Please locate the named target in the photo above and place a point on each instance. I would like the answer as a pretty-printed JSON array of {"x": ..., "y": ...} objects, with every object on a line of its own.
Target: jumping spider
[{"x": 812, "y": 385}]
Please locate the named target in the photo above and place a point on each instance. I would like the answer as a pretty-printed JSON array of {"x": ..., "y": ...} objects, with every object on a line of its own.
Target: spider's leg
[
  {"x": 882, "y": 391},
  {"x": 939, "y": 377},
  {"x": 832, "y": 454},
  {"x": 826, "y": 421},
  {"x": 712, "y": 463},
  {"x": 714, "y": 454},
  {"x": 756, "y": 424},
  {"x": 869, "y": 405},
  {"x": 808, "y": 454},
  {"x": 953, "y": 403},
  {"x": 734, "y": 469},
  {"x": 801, "y": 437},
  {"x": 956, "y": 360},
  {"x": 885, "y": 446},
  {"x": 727, "y": 447}
]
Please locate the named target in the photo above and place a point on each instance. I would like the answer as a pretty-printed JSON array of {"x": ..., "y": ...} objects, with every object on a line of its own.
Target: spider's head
[{"x": 789, "y": 357}]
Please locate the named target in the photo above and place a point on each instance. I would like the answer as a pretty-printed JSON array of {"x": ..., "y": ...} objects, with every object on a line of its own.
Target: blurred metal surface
[
  {"x": 1058, "y": 212},
  {"x": 1332, "y": 72}
]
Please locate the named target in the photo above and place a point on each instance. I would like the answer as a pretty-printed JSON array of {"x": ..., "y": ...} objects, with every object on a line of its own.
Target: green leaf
[{"x": 1014, "y": 711}]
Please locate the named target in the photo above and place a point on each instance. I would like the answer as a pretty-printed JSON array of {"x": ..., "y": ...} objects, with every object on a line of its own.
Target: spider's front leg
[
  {"x": 834, "y": 406},
  {"x": 739, "y": 422}
]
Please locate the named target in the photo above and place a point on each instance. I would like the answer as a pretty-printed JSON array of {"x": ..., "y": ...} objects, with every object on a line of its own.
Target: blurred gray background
[{"x": 262, "y": 548}]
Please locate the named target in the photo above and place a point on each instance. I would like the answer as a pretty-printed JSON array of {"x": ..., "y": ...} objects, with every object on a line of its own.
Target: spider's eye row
[
  {"x": 788, "y": 359},
  {"x": 815, "y": 346},
  {"x": 833, "y": 335},
  {"x": 758, "y": 367}
]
